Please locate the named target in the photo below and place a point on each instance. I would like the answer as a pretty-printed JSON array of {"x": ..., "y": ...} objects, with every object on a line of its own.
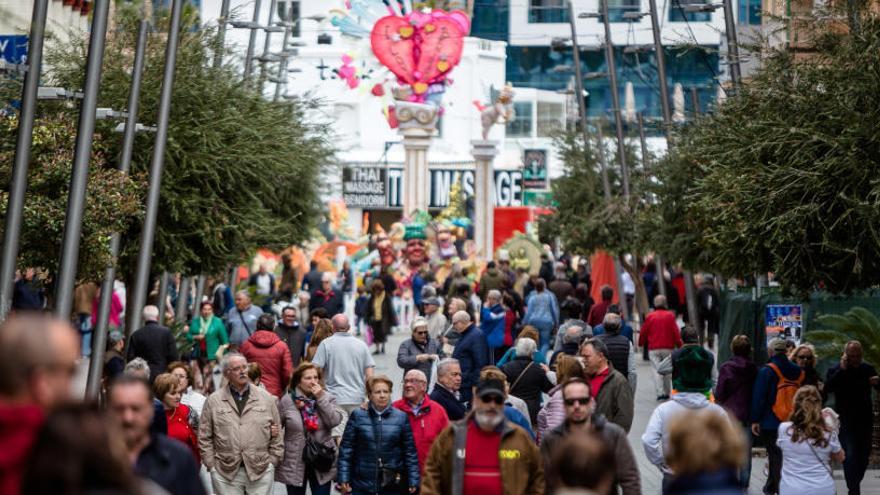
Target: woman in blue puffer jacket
[{"x": 378, "y": 455}]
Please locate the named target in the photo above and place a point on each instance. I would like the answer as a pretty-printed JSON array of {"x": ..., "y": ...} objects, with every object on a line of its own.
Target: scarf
[
  {"x": 377, "y": 306},
  {"x": 204, "y": 323},
  {"x": 307, "y": 407}
]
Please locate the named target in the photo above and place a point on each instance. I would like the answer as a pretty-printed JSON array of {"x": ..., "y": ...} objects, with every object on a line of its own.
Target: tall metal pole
[
  {"x": 579, "y": 79},
  {"x": 615, "y": 99},
  {"x": 18, "y": 183},
  {"x": 142, "y": 274},
  {"x": 690, "y": 291},
  {"x": 200, "y": 290},
  {"x": 96, "y": 364},
  {"x": 221, "y": 33},
  {"x": 82, "y": 154},
  {"x": 732, "y": 45},
  {"x": 252, "y": 41},
  {"x": 658, "y": 261},
  {"x": 618, "y": 268},
  {"x": 282, "y": 67},
  {"x": 182, "y": 297},
  {"x": 267, "y": 43}
]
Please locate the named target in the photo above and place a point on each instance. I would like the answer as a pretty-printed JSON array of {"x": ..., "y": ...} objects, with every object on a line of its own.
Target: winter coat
[
  {"x": 553, "y": 412},
  {"x": 656, "y": 433},
  {"x": 527, "y": 381},
  {"x": 491, "y": 280},
  {"x": 627, "y": 468},
  {"x": 426, "y": 424},
  {"x": 273, "y": 355},
  {"x": 764, "y": 392},
  {"x": 615, "y": 400},
  {"x": 227, "y": 440},
  {"x": 492, "y": 322},
  {"x": 660, "y": 331},
  {"x": 734, "y": 389},
  {"x": 370, "y": 436},
  {"x": 409, "y": 349},
  {"x": 169, "y": 464},
  {"x": 472, "y": 354},
  {"x": 215, "y": 336},
  {"x": 382, "y": 328},
  {"x": 331, "y": 301},
  {"x": 295, "y": 338},
  {"x": 19, "y": 427},
  {"x": 292, "y": 469},
  {"x": 156, "y": 345},
  {"x": 455, "y": 409},
  {"x": 522, "y": 470}
]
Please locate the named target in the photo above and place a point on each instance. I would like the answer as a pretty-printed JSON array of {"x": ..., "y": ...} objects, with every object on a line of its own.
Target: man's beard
[{"x": 488, "y": 421}]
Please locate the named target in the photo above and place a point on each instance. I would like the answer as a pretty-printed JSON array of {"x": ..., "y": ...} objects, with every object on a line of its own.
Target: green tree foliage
[
  {"x": 836, "y": 330},
  {"x": 114, "y": 200},
  {"x": 241, "y": 171},
  {"x": 782, "y": 178}
]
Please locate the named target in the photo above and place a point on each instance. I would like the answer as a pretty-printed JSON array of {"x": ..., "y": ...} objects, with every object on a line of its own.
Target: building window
[
  {"x": 749, "y": 12},
  {"x": 547, "y": 11},
  {"x": 677, "y": 13},
  {"x": 551, "y": 118},
  {"x": 616, "y": 9},
  {"x": 521, "y": 127},
  {"x": 283, "y": 14},
  {"x": 491, "y": 20}
]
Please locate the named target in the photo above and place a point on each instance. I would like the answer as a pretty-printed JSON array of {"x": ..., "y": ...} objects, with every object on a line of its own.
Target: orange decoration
[
  {"x": 420, "y": 87},
  {"x": 429, "y": 28},
  {"x": 443, "y": 66},
  {"x": 406, "y": 31}
]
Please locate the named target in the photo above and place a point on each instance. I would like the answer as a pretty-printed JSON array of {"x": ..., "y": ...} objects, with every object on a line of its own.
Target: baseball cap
[
  {"x": 433, "y": 301},
  {"x": 488, "y": 388}
]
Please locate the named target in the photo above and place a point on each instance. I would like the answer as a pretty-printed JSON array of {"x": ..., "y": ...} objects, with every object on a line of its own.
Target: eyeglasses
[
  {"x": 803, "y": 357},
  {"x": 577, "y": 400},
  {"x": 421, "y": 332},
  {"x": 497, "y": 399}
]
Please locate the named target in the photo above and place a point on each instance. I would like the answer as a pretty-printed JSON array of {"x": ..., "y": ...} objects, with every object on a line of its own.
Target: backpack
[{"x": 785, "y": 390}]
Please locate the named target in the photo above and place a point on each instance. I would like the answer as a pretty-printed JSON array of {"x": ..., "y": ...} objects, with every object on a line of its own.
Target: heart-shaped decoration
[
  {"x": 429, "y": 28},
  {"x": 419, "y": 88},
  {"x": 406, "y": 32},
  {"x": 393, "y": 52},
  {"x": 439, "y": 48}
]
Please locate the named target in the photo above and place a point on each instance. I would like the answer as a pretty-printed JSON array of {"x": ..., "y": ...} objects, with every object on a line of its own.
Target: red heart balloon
[
  {"x": 393, "y": 49},
  {"x": 439, "y": 50}
]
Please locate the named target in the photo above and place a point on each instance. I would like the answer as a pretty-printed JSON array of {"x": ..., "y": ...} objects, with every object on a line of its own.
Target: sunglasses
[
  {"x": 421, "y": 332},
  {"x": 578, "y": 401},
  {"x": 497, "y": 399},
  {"x": 803, "y": 357}
]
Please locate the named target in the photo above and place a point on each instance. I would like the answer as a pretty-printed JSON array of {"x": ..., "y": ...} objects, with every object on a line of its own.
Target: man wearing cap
[
  {"x": 484, "y": 454},
  {"x": 436, "y": 319},
  {"x": 420, "y": 351},
  {"x": 765, "y": 423}
]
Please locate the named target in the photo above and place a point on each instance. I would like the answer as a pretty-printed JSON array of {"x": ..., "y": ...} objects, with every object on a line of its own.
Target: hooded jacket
[
  {"x": 426, "y": 424},
  {"x": 656, "y": 433},
  {"x": 273, "y": 355},
  {"x": 734, "y": 390}
]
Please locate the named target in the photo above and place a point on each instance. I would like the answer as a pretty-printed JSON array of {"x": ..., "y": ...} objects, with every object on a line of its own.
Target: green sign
[{"x": 538, "y": 198}]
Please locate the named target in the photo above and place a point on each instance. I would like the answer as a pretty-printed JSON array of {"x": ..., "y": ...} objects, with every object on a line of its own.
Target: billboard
[
  {"x": 535, "y": 169},
  {"x": 784, "y": 321}
]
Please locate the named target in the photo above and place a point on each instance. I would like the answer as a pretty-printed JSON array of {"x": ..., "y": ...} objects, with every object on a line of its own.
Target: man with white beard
[{"x": 483, "y": 454}]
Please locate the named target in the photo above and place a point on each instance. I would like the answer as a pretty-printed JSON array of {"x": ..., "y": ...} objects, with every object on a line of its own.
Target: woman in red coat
[{"x": 183, "y": 423}]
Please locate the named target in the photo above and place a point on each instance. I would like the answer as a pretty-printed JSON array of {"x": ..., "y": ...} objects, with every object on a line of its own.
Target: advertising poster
[
  {"x": 535, "y": 169},
  {"x": 784, "y": 321}
]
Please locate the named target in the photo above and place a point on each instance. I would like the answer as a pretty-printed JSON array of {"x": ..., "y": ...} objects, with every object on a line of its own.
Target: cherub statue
[{"x": 498, "y": 112}]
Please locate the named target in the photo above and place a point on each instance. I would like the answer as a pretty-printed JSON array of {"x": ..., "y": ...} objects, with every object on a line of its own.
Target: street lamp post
[
  {"x": 96, "y": 364},
  {"x": 148, "y": 235},
  {"x": 81, "y": 157}
]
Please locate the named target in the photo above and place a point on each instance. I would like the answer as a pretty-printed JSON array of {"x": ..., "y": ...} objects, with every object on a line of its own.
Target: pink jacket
[{"x": 552, "y": 414}]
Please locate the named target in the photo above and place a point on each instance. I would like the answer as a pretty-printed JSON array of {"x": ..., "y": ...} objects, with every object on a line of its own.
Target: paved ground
[{"x": 645, "y": 403}]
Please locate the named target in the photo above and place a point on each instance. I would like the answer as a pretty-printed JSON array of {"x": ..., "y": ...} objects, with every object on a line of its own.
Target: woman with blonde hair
[
  {"x": 808, "y": 448},
  {"x": 804, "y": 356},
  {"x": 323, "y": 329},
  {"x": 553, "y": 412},
  {"x": 705, "y": 452}
]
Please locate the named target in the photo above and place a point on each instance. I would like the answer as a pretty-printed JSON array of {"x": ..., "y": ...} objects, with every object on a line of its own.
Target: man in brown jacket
[
  {"x": 579, "y": 417},
  {"x": 235, "y": 433},
  {"x": 613, "y": 395},
  {"x": 483, "y": 453}
]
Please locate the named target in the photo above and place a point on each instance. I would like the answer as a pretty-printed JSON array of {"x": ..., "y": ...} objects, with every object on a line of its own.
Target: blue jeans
[{"x": 84, "y": 325}]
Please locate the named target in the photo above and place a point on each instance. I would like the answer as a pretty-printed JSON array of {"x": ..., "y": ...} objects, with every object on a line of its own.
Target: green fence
[{"x": 743, "y": 313}]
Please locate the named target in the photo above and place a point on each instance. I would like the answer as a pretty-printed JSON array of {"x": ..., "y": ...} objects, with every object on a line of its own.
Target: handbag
[
  {"x": 318, "y": 455},
  {"x": 391, "y": 481}
]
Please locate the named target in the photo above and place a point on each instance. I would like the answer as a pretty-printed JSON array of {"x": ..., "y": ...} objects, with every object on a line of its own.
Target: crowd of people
[{"x": 510, "y": 385}]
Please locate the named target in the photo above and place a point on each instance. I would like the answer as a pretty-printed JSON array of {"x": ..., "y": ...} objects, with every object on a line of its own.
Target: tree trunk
[{"x": 641, "y": 299}]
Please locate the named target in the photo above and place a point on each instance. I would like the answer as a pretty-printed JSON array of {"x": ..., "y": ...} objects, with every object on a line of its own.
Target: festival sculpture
[{"x": 500, "y": 111}]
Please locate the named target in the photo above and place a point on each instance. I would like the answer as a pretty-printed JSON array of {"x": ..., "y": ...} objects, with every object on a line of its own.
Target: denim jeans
[
  {"x": 774, "y": 460},
  {"x": 312, "y": 479},
  {"x": 545, "y": 330}
]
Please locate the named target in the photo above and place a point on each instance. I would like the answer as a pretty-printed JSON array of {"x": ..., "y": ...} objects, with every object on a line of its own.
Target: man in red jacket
[
  {"x": 38, "y": 358},
  {"x": 273, "y": 355},
  {"x": 661, "y": 334},
  {"x": 426, "y": 417}
]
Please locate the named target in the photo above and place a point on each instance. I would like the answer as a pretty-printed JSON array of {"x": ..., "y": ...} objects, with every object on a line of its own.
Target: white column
[
  {"x": 417, "y": 125},
  {"x": 484, "y": 153}
]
